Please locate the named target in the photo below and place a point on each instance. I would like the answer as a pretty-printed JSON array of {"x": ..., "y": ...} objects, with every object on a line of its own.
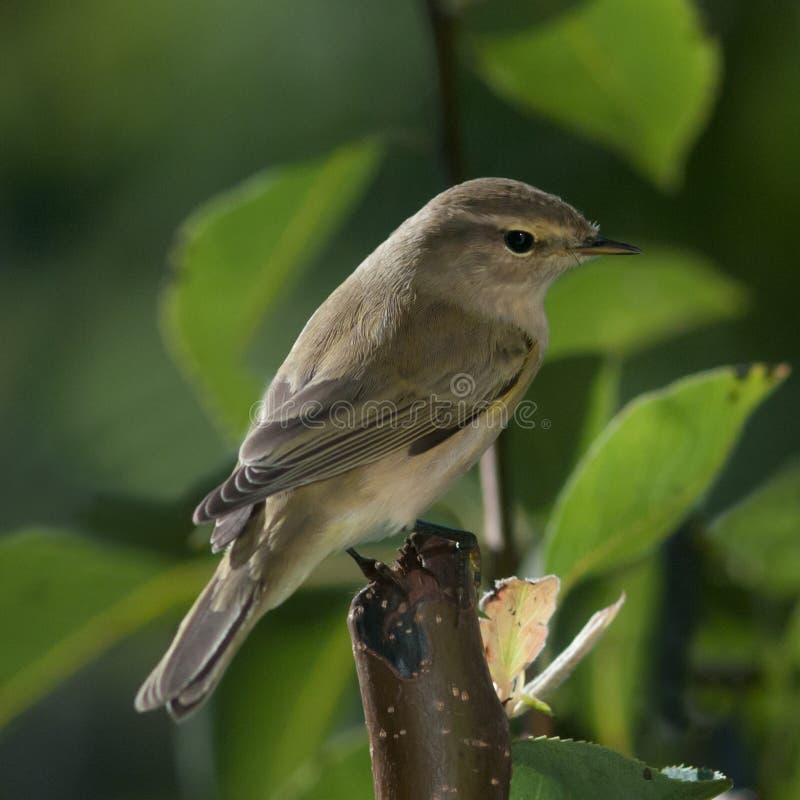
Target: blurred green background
[{"x": 675, "y": 125}]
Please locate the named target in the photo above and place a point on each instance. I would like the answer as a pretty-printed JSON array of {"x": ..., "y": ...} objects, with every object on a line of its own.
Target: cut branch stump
[{"x": 436, "y": 727}]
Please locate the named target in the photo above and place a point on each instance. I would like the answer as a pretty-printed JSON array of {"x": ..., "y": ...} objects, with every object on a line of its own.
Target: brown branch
[
  {"x": 497, "y": 506},
  {"x": 436, "y": 727},
  {"x": 443, "y": 27},
  {"x": 496, "y": 501}
]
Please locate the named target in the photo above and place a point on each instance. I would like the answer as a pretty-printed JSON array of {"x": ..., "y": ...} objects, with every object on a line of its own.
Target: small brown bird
[{"x": 397, "y": 384}]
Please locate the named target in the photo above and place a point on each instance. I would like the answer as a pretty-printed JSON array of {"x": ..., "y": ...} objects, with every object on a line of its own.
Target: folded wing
[{"x": 411, "y": 390}]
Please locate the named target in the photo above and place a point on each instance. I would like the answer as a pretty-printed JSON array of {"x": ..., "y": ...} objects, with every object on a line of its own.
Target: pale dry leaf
[{"x": 514, "y": 627}]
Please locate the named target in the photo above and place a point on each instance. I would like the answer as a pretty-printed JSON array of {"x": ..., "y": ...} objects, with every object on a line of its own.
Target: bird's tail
[{"x": 206, "y": 641}]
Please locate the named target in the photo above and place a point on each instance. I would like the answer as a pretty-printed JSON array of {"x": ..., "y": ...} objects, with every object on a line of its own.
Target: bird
[{"x": 394, "y": 388}]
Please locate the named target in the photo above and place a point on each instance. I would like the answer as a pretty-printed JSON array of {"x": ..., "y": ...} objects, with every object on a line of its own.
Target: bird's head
[{"x": 499, "y": 243}]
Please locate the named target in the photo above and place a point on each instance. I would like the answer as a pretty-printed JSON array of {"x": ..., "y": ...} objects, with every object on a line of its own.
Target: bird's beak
[{"x": 605, "y": 247}]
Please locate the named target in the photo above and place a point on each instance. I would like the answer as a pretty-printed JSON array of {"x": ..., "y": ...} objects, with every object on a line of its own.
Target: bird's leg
[{"x": 372, "y": 569}]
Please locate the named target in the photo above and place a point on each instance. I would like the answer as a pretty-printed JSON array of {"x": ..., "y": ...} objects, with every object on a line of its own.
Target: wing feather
[{"x": 318, "y": 424}]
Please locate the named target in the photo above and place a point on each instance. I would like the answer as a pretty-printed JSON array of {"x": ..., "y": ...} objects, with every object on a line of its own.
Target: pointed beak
[{"x": 605, "y": 247}]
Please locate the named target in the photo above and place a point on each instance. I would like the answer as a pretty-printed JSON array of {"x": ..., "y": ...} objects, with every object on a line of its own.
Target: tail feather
[
  {"x": 204, "y": 645},
  {"x": 228, "y": 527}
]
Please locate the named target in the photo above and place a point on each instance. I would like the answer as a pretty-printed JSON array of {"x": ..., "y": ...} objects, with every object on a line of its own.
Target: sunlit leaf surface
[{"x": 647, "y": 469}]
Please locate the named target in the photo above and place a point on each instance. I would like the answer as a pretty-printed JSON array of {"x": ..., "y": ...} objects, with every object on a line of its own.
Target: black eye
[{"x": 518, "y": 241}]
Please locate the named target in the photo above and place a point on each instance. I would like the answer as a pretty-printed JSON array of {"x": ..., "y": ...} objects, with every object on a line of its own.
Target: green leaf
[
  {"x": 238, "y": 253},
  {"x": 758, "y": 538},
  {"x": 647, "y": 469},
  {"x": 620, "y": 307},
  {"x": 276, "y": 706},
  {"x": 638, "y": 77},
  {"x": 66, "y": 600},
  {"x": 555, "y": 769}
]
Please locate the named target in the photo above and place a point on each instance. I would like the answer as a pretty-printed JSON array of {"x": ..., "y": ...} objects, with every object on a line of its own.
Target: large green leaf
[
  {"x": 759, "y": 539},
  {"x": 66, "y": 599},
  {"x": 237, "y": 253},
  {"x": 554, "y": 769},
  {"x": 647, "y": 469},
  {"x": 618, "y": 307},
  {"x": 638, "y": 77}
]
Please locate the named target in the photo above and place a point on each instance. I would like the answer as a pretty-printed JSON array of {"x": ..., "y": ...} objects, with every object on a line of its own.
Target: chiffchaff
[{"x": 397, "y": 384}]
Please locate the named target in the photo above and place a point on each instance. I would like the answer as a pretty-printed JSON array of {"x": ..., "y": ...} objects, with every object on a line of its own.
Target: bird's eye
[{"x": 518, "y": 241}]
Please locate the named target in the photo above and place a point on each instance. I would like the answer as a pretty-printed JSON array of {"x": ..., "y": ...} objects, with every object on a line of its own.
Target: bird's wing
[{"x": 412, "y": 390}]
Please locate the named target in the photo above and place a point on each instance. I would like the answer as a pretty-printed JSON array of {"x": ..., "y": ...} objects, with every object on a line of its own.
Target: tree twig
[
  {"x": 497, "y": 506},
  {"x": 443, "y": 26},
  {"x": 497, "y": 503},
  {"x": 436, "y": 727}
]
